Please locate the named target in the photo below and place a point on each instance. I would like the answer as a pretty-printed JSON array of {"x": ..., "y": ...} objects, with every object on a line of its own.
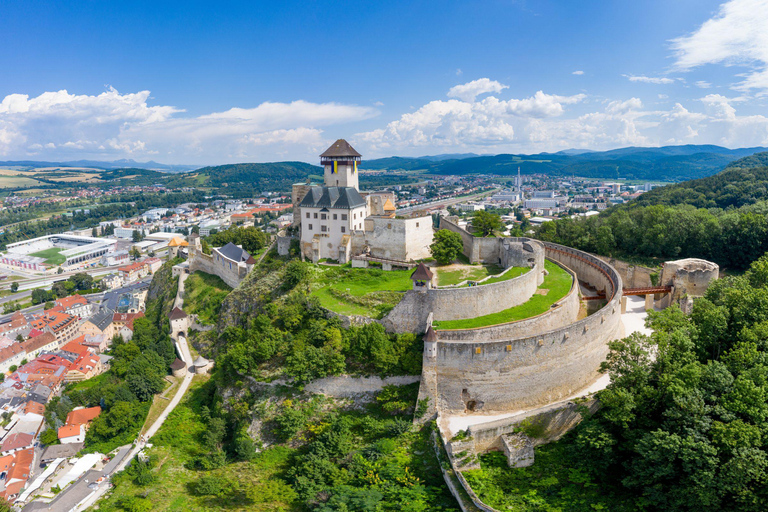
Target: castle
[{"x": 338, "y": 222}]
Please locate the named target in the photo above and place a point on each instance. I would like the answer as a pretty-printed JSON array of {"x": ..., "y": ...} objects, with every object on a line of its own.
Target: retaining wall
[
  {"x": 561, "y": 314},
  {"x": 215, "y": 263},
  {"x": 489, "y": 375},
  {"x": 411, "y": 312}
]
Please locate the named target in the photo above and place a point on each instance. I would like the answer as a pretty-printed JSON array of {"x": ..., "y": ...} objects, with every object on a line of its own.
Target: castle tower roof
[
  {"x": 422, "y": 273},
  {"x": 431, "y": 335},
  {"x": 388, "y": 206},
  {"x": 340, "y": 148}
]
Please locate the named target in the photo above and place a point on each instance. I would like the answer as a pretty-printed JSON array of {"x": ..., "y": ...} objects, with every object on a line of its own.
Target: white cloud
[
  {"x": 110, "y": 124},
  {"x": 663, "y": 96},
  {"x": 459, "y": 72},
  {"x": 736, "y": 35},
  {"x": 579, "y": 72},
  {"x": 701, "y": 84},
  {"x": 650, "y": 79},
  {"x": 473, "y": 89}
]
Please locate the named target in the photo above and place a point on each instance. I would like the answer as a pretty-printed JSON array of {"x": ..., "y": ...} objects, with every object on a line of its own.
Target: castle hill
[{"x": 417, "y": 257}]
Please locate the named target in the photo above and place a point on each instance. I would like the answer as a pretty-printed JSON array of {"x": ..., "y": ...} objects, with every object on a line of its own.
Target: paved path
[{"x": 79, "y": 496}]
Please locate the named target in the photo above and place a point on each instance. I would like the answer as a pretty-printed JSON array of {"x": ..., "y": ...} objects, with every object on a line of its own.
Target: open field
[
  {"x": 555, "y": 286},
  {"x": 17, "y": 181},
  {"x": 369, "y": 292},
  {"x": 52, "y": 255}
]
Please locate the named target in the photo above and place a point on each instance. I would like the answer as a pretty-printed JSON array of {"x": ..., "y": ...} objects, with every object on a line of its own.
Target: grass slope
[
  {"x": 557, "y": 283},
  {"x": 203, "y": 295},
  {"x": 370, "y": 292}
]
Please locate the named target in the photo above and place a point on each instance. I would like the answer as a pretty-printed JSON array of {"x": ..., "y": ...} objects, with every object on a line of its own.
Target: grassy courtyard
[
  {"x": 555, "y": 286},
  {"x": 52, "y": 256},
  {"x": 369, "y": 292},
  {"x": 455, "y": 274}
]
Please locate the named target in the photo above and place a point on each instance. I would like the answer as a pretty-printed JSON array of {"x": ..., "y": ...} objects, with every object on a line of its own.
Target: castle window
[
  {"x": 307, "y": 214},
  {"x": 309, "y": 226},
  {"x": 343, "y": 229},
  {"x": 335, "y": 216},
  {"x": 323, "y": 216},
  {"x": 323, "y": 228},
  {"x": 315, "y": 215},
  {"x": 354, "y": 215},
  {"x": 417, "y": 224}
]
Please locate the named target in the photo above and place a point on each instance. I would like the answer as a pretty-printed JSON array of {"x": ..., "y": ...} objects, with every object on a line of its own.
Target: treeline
[
  {"x": 136, "y": 374},
  {"x": 251, "y": 239},
  {"x": 128, "y": 206},
  {"x": 683, "y": 422},
  {"x": 80, "y": 282},
  {"x": 670, "y": 222}
]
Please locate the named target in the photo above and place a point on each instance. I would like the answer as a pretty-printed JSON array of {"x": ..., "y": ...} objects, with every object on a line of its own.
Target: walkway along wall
[{"x": 479, "y": 372}]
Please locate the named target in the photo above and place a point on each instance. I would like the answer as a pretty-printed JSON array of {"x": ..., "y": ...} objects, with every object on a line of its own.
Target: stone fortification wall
[
  {"x": 690, "y": 276},
  {"x": 398, "y": 239},
  {"x": 231, "y": 272},
  {"x": 466, "y": 238},
  {"x": 551, "y": 423},
  {"x": 459, "y": 303},
  {"x": 562, "y": 313},
  {"x": 532, "y": 370},
  {"x": 632, "y": 276}
]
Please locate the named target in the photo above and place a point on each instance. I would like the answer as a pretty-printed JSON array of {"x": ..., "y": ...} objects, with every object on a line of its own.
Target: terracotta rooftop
[
  {"x": 177, "y": 313},
  {"x": 81, "y": 416},
  {"x": 69, "y": 431},
  {"x": 16, "y": 441}
]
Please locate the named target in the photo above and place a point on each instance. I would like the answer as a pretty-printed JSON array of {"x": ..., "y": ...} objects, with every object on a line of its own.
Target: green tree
[
  {"x": 486, "y": 223},
  {"x": 49, "y": 437},
  {"x": 446, "y": 246},
  {"x": 14, "y": 287}
]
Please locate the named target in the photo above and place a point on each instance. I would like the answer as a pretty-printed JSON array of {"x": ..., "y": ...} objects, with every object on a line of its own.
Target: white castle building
[{"x": 339, "y": 222}]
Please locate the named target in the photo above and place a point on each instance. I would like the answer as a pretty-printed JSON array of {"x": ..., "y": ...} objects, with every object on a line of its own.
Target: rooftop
[{"x": 340, "y": 148}]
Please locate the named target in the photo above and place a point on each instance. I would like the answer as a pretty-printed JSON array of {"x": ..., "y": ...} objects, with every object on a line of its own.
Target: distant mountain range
[{"x": 668, "y": 163}]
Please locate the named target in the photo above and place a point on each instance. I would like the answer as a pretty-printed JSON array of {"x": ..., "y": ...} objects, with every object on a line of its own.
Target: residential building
[
  {"x": 98, "y": 324},
  {"x": 62, "y": 325},
  {"x": 75, "y": 305}
]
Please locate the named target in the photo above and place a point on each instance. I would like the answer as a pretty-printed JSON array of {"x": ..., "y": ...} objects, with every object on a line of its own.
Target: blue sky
[{"x": 257, "y": 81}]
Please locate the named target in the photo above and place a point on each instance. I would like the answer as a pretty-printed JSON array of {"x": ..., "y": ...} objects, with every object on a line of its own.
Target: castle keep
[{"x": 338, "y": 222}]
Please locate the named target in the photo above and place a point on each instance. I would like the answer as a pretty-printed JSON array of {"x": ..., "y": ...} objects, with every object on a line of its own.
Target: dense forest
[
  {"x": 722, "y": 218},
  {"x": 671, "y": 163}
]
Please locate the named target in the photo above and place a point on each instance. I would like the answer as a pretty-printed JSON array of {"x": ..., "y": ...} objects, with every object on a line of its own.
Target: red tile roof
[
  {"x": 81, "y": 416},
  {"x": 16, "y": 441},
  {"x": 72, "y": 300},
  {"x": 69, "y": 431},
  {"x": 34, "y": 408}
]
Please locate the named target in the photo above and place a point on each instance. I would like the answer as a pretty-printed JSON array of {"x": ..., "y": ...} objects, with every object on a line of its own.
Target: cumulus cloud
[
  {"x": 541, "y": 123},
  {"x": 457, "y": 123},
  {"x": 578, "y": 72},
  {"x": 473, "y": 89},
  {"x": 736, "y": 35},
  {"x": 60, "y": 125},
  {"x": 649, "y": 79}
]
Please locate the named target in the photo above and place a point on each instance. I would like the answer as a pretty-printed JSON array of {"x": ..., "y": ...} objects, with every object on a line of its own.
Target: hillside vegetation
[
  {"x": 722, "y": 218},
  {"x": 682, "y": 424}
]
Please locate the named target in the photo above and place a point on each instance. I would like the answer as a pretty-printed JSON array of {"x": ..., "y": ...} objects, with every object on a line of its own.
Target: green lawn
[
  {"x": 557, "y": 283},
  {"x": 356, "y": 291},
  {"x": 510, "y": 274},
  {"x": 203, "y": 295},
  {"x": 447, "y": 277},
  {"x": 52, "y": 255}
]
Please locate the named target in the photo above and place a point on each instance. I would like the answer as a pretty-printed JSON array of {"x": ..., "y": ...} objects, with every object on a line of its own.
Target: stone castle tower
[{"x": 340, "y": 164}]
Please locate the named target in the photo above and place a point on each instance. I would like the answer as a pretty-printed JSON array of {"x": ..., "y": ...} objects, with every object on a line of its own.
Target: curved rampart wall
[
  {"x": 562, "y": 313},
  {"x": 411, "y": 312},
  {"x": 521, "y": 372}
]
